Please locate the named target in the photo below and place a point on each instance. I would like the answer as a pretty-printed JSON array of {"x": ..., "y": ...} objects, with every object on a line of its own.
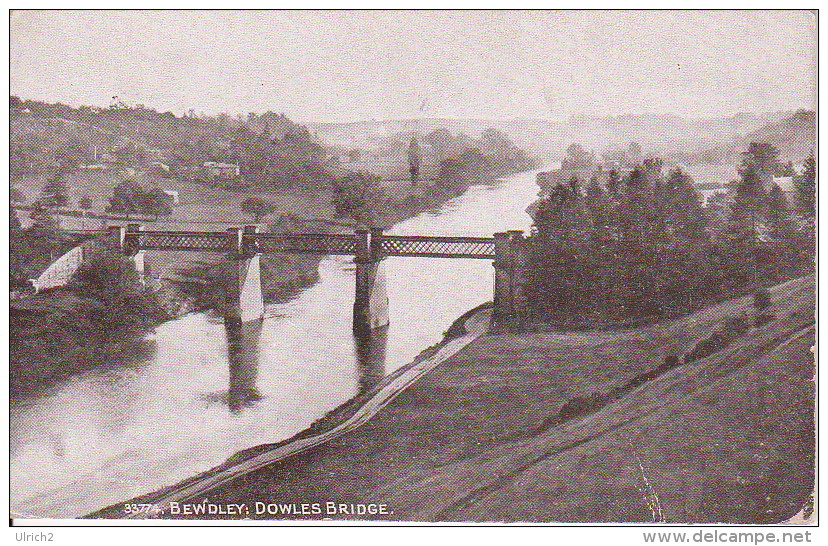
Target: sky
[{"x": 352, "y": 66}]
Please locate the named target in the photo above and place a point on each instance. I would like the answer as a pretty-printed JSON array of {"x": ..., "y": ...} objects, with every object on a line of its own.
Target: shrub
[
  {"x": 717, "y": 341},
  {"x": 763, "y": 318},
  {"x": 761, "y": 300},
  {"x": 736, "y": 326},
  {"x": 670, "y": 362},
  {"x": 733, "y": 328},
  {"x": 581, "y": 405}
]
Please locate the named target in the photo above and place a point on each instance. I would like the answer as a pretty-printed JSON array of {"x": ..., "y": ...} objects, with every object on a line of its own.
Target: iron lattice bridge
[{"x": 307, "y": 243}]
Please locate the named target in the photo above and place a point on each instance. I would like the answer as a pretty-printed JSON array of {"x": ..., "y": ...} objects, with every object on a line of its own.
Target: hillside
[
  {"x": 794, "y": 136},
  {"x": 486, "y": 435},
  {"x": 45, "y": 137}
]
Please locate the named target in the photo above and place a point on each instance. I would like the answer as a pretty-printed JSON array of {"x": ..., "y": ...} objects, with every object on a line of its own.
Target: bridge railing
[
  {"x": 307, "y": 243},
  {"x": 437, "y": 247},
  {"x": 183, "y": 240}
]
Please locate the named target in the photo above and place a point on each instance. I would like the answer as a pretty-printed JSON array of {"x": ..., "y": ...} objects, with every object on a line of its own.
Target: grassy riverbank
[
  {"x": 100, "y": 319},
  {"x": 726, "y": 438}
]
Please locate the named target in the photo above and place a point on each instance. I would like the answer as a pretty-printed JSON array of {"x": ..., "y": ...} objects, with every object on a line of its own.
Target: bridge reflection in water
[
  {"x": 243, "y": 339},
  {"x": 243, "y": 356},
  {"x": 370, "y": 349}
]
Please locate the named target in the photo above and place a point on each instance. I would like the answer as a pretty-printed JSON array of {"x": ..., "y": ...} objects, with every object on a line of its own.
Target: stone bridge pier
[
  {"x": 243, "y": 288},
  {"x": 371, "y": 299},
  {"x": 510, "y": 313},
  {"x": 127, "y": 238}
]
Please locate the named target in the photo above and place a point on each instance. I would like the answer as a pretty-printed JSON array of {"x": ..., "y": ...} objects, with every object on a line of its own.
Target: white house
[
  {"x": 221, "y": 170},
  {"x": 174, "y": 195}
]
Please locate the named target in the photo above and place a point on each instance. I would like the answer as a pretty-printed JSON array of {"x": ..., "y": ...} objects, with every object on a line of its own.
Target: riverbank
[
  {"x": 727, "y": 438},
  {"x": 340, "y": 420},
  {"x": 99, "y": 320}
]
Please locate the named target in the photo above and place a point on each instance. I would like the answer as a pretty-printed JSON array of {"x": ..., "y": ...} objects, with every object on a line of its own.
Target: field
[
  {"x": 728, "y": 438},
  {"x": 202, "y": 208},
  {"x": 199, "y": 204}
]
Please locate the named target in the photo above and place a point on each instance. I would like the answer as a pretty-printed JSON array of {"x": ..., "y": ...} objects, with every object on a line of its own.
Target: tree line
[
  {"x": 463, "y": 161},
  {"x": 129, "y": 197},
  {"x": 643, "y": 246}
]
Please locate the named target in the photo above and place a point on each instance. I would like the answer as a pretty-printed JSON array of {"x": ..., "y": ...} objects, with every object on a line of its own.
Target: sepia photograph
[{"x": 413, "y": 267}]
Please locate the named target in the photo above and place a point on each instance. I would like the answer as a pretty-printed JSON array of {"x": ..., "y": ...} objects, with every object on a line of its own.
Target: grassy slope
[{"x": 727, "y": 438}]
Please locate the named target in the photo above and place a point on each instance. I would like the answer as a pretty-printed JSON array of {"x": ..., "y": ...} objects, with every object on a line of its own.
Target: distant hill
[
  {"x": 794, "y": 135},
  {"x": 661, "y": 134}
]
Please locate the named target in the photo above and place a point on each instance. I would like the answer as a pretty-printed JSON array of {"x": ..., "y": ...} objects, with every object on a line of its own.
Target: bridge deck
[{"x": 311, "y": 243}]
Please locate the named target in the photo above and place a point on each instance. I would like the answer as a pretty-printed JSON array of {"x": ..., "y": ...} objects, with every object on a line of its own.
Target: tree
[
  {"x": 575, "y": 187},
  {"x": 127, "y": 198},
  {"x": 749, "y": 198},
  {"x": 358, "y": 195},
  {"x": 257, "y": 207},
  {"x": 652, "y": 168},
  {"x": 806, "y": 188},
  {"x": 493, "y": 142},
  {"x": 414, "y": 160},
  {"x": 683, "y": 210},
  {"x": 442, "y": 143},
  {"x": 55, "y": 193},
  {"x": 762, "y": 158},
  {"x": 44, "y": 233},
  {"x": 157, "y": 203},
  {"x": 614, "y": 184},
  {"x": 597, "y": 202},
  {"x": 110, "y": 278},
  {"x": 576, "y": 157},
  {"x": 779, "y": 214},
  {"x": 85, "y": 202}
]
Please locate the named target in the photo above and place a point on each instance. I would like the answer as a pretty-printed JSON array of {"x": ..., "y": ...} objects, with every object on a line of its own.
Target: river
[{"x": 105, "y": 436}]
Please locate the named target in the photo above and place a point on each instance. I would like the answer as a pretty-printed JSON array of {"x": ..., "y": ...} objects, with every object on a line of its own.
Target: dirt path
[{"x": 475, "y": 326}]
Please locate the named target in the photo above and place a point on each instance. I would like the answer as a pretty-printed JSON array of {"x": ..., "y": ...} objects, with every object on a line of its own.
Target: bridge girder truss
[
  {"x": 437, "y": 247},
  {"x": 310, "y": 243}
]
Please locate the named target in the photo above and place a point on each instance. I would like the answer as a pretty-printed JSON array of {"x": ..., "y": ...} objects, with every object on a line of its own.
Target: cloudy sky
[{"x": 347, "y": 66}]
